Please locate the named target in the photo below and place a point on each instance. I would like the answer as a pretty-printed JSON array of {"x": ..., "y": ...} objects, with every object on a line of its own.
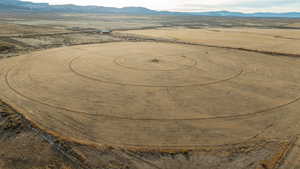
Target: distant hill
[
  {"x": 17, "y": 5},
  {"x": 240, "y": 14}
]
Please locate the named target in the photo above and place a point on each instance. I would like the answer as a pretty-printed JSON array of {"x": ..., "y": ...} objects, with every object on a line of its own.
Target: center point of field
[{"x": 155, "y": 60}]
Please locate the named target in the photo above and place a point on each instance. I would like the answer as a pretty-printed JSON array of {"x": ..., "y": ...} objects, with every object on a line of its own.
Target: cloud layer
[{"x": 194, "y": 5}]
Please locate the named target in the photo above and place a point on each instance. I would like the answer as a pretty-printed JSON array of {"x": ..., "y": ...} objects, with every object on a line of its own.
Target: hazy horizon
[{"x": 246, "y": 6}]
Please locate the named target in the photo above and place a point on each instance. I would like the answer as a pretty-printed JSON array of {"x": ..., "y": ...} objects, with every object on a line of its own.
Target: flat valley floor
[{"x": 171, "y": 97}]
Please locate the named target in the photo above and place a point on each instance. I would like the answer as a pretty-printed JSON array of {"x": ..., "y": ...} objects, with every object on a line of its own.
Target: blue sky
[{"x": 194, "y": 5}]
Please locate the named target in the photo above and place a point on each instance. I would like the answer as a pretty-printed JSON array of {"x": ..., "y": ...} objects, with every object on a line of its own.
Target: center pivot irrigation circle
[{"x": 150, "y": 95}]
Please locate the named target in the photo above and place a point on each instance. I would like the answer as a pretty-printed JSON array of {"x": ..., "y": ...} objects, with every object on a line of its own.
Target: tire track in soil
[{"x": 72, "y": 69}]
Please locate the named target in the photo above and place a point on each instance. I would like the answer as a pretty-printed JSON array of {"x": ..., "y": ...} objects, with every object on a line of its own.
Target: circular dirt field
[{"x": 154, "y": 95}]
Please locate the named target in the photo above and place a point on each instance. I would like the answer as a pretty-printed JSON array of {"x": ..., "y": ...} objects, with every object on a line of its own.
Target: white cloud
[{"x": 194, "y": 5}]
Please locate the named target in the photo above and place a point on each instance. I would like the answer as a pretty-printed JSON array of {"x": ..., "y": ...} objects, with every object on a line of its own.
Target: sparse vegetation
[{"x": 5, "y": 47}]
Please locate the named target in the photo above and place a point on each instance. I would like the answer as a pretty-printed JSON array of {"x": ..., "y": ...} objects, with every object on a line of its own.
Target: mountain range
[{"x": 24, "y": 6}]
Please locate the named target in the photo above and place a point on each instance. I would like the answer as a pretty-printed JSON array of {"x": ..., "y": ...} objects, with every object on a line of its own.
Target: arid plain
[{"x": 191, "y": 94}]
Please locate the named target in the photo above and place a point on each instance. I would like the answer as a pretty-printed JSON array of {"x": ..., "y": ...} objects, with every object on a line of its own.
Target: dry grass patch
[
  {"x": 279, "y": 41},
  {"x": 15, "y": 29},
  {"x": 297, "y": 25}
]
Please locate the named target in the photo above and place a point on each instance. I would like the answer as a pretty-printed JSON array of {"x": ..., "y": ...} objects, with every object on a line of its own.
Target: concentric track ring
[{"x": 140, "y": 85}]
